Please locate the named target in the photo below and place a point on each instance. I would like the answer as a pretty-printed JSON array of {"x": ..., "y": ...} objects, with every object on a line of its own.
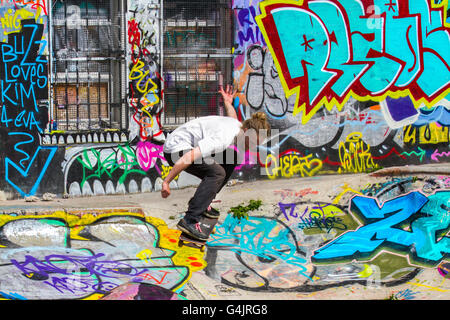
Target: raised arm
[{"x": 228, "y": 97}]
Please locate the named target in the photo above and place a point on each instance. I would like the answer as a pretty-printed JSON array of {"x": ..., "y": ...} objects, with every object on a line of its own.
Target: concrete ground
[{"x": 336, "y": 189}]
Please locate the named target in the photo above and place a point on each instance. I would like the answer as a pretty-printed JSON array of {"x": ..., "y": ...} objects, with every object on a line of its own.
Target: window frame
[{"x": 115, "y": 82}]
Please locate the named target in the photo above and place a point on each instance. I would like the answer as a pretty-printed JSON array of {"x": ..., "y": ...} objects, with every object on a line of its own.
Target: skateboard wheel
[
  {"x": 202, "y": 249},
  {"x": 180, "y": 243}
]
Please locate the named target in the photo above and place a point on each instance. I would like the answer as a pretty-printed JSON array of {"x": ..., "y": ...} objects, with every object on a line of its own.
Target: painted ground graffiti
[
  {"x": 348, "y": 87},
  {"x": 86, "y": 256},
  {"x": 302, "y": 246},
  {"x": 145, "y": 80},
  {"x": 385, "y": 239},
  {"x": 351, "y": 108}
]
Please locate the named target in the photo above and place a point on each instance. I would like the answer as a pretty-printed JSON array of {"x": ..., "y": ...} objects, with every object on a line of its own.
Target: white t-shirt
[{"x": 212, "y": 134}]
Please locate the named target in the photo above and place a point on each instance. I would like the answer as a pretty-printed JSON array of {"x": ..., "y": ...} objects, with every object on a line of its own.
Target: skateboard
[{"x": 186, "y": 239}]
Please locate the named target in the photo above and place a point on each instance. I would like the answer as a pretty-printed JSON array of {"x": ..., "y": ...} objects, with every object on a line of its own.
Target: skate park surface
[{"x": 331, "y": 237}]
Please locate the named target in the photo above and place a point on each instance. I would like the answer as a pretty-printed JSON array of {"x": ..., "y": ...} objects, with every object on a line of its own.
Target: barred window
[
  {"x": 88, "y": 65},
  {"x": 198, "y": 38}
]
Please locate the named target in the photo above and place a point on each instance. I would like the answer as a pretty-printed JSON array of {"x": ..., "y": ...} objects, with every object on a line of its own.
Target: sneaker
[
  {"x": 212, "y": 213},
  {"x": 193, "y": 229}
]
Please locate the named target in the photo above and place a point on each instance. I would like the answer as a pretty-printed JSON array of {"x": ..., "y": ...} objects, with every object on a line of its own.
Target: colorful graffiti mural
[
  {"x": 145, "y": 90},
  {"x": 91, "y": 255},
  {"x": 327, "y": 51},
  {"x": 379, "y": 231},
  {"x": 118, "y": 169},
  {"x": 353, "y": 132},
  {"x": 384, "y": 240},
  {"x": 24, "y": 87}
]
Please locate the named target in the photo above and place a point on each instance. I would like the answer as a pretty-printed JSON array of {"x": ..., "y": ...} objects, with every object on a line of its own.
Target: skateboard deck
[
  {"x": 186, "y": 240},
  {"x": 208, "y": 225}
]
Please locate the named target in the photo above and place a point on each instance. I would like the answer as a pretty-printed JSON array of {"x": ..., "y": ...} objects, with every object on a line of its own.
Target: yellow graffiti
[
  {"x": 433, "y": 134},
  {"x": 355, "y": 155},
  {"x": 292, "y": 164},
  {"x": 136, "y": 73},
  {"x": 148, "y": 88},
  {"x": 12, "y": 20},
  {"x": 409, "y": 135}
]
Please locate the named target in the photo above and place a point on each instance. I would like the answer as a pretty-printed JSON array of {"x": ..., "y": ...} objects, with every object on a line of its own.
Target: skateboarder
[{"x": 201, "y": 147}]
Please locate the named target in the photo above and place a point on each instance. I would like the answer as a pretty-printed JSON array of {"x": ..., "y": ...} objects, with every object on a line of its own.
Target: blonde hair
[{"x": 258, "y": 121}]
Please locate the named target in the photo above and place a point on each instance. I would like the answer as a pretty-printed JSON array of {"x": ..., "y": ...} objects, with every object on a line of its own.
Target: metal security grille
[
  {"x": 88, "y": 65},
  {"x": 198, "y": 36}
]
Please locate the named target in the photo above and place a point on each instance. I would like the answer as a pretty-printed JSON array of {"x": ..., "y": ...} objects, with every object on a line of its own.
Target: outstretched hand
[
  {"x": 227, "y": 94},
  {"x": 165, "y": 190}
]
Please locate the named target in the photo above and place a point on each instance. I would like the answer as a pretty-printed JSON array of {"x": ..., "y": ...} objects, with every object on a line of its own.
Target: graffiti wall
[
  {"x": 348, "y": 86},
  {"x": 85, "y": 163},
  {"x": 145, "y": 80}
]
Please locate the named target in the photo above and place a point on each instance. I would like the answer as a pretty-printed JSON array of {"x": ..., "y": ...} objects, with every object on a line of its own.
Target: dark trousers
[{"x": 214, "y": 177}]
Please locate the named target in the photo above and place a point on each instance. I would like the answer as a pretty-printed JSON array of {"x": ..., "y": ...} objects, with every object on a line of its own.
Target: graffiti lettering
[
  {"x": 12, "y": 21},
  {"x": 355, "y": 155},
  {"x": 93, "y": 160},
  {"x": 429, "y": 134},
  {"x": 291, "y": 193},
  {"x": 291, "y": 165},
  {"x": 144, "y": 77},
  {"x": 250, "y": 34},
  {"x": 24, "y": 76},
  {"x": 23, "y": 83},
  {"x": 25, "y": 120},
  {"x": 322, "y": 223}
]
